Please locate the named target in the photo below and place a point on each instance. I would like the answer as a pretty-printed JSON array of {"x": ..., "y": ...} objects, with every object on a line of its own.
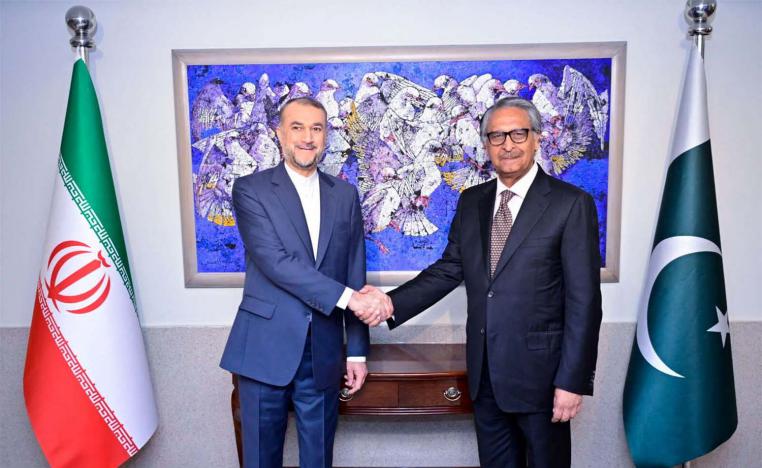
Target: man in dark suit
[
  {"x": 305, "y": 259},
  {"x": 526, "y": 246}
]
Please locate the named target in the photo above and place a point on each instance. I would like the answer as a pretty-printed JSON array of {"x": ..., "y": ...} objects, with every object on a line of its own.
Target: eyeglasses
[{"x": 518, "y": 135}]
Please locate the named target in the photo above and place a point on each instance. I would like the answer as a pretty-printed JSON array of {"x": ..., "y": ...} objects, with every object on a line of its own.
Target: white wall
[{"x": 132, "y": 72}]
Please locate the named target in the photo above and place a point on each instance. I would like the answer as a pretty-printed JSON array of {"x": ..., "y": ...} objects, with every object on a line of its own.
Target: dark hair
[{"x": 304, "y": 100}]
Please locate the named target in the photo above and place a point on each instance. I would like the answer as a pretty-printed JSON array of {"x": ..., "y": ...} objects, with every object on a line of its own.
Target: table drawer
[
  {"x": 425, "y": 393},
  {"x": 374, "y": 394},
  {"x": 441, "y": 395}
]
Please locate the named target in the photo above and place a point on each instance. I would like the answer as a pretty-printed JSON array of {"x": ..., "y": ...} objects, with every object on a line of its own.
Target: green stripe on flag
[
  {"x": 688, "y": 206},
  {"x": 84, "y": 153}
]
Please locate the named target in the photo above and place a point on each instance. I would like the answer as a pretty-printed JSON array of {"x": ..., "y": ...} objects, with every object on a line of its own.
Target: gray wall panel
[{"x": 196, "y": 430}]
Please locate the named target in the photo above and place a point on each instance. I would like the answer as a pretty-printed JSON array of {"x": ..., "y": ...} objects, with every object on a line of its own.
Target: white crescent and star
[{"x": 664, "y": 253}]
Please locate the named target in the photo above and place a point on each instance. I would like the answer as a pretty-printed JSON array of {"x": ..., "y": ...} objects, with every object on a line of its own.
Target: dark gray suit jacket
[{"x": 539, "y": 318}]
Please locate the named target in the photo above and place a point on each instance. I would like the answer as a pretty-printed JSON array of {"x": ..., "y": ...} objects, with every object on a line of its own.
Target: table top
[{"x": 411, "y": 361}]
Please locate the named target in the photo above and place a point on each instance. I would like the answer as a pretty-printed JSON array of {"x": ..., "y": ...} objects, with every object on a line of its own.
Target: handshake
[{"x": 371, "y": 305}]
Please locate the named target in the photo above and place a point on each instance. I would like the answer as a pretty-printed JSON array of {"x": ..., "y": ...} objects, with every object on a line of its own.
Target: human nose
[
  {"x": 309, "y": 135},
  {"x": 508, "y": 144}
]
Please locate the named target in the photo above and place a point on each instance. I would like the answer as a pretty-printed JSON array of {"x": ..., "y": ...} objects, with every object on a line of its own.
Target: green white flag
[{"x": 679, "y": 396}]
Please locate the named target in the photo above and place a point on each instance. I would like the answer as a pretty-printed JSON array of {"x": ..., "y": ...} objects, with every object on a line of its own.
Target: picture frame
[{"x": 215, "y": 92}]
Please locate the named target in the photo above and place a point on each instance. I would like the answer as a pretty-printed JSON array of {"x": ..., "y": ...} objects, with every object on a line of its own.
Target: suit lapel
[
  {"x": 286, "y": 194},
  {"x": 327, "y": 213},
  {"x": 486, "y": 207},
  {"x": 532, "y": 209}
]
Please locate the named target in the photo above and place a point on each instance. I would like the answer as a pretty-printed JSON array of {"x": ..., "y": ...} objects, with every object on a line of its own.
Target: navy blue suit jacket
[
  {"x": 286, "y": 287},
  {"x": 541, "y": 314}
]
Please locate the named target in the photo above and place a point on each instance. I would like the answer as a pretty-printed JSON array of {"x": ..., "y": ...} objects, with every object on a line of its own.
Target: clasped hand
[{"x": 371, "y": 305}]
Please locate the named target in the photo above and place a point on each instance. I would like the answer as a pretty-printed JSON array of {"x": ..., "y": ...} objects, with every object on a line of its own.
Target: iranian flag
[
  {"x": 679, "y": 396},
  {"x": 86, "y": 382}
]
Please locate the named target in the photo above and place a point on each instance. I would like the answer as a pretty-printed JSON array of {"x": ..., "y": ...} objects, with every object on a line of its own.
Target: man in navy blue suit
[
  {"x": 526, "y": 245},
  {"x": 305, "y": 262}
]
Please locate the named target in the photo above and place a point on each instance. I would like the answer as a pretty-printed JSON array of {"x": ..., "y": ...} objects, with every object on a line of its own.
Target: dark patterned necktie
[{"x": 501, "y": 227}]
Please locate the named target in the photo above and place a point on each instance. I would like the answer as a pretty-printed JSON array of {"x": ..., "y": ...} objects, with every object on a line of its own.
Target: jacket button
[
  {"x": 481, "y": 331},
  {"x": 490, "y": 294}
]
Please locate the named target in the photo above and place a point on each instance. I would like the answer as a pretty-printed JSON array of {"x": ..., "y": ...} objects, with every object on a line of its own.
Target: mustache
[{"x": 511, "y": 154}]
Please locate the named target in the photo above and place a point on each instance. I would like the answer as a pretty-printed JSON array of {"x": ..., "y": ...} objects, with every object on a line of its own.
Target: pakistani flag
[
  {"x": 679, "y": 397},
  {"x": 86, "y": 383}
]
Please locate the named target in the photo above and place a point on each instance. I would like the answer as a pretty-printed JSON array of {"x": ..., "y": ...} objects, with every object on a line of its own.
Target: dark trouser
[
  {"x": 508, "y": 440},
  {"x": 264, "y": 413}
]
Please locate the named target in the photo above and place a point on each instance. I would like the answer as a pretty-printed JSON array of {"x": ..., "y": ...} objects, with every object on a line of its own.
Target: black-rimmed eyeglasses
[{"x": 518, "y": 135}]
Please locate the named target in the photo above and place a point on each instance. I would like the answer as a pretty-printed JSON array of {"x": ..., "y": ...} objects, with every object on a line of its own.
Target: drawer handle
[
  {"x": 344, "y": 394},
  {"x": 452, "y": 394}
]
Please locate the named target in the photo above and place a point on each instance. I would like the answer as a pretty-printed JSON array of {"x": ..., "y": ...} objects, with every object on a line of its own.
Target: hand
[
  {"x": 386, "y": 310},
  {"x": 566, "y": 405},
  {"x": 355, "y": 376},
  {"x": 371, "y": 305},
  {"x": 365, "y": 304}
]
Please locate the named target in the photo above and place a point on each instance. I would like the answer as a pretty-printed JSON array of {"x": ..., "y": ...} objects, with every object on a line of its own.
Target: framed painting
[{"x": 403, "y": 127}]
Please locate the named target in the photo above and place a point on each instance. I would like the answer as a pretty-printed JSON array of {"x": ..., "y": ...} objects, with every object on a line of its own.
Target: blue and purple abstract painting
[{"x": 406, "y": 134}]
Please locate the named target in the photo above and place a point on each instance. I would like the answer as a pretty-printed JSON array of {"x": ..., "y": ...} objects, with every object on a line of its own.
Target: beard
[{"x": 291, "y": 156}]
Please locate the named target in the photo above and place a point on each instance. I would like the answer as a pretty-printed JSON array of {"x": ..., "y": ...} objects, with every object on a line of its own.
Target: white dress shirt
[
  {"x": 308, "y": 189},
  {"x": 519, "y": 189}
]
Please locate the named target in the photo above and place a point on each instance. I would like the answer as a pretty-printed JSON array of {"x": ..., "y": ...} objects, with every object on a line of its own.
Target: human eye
[
  {"x": 519, "y": 135},
  {"x": 496, "y": 138}
]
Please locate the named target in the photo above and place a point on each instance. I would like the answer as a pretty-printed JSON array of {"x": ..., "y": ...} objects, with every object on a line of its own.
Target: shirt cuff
[
  {"x": 343, "y": 301},
  {"x": 355, "y": 358}
]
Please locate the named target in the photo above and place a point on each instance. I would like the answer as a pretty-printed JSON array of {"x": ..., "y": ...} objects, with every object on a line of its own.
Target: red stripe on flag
[{"x": 67, "y": 424}]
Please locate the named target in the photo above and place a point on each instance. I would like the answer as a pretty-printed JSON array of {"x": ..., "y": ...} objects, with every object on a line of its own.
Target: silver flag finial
[
  {"x": 699, "y": 14},
  {"x": 81, "y": 21}
]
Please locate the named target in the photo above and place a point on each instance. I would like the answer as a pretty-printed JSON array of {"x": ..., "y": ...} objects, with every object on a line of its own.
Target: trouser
[
  {"x": 508, "y": 440},
  {"x": 264, "y": 414}
]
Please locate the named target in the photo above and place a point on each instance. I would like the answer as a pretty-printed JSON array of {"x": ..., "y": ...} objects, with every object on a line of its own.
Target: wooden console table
[
  {"x": 411, "y": 379},
  {"x": 403, "y": 379}
]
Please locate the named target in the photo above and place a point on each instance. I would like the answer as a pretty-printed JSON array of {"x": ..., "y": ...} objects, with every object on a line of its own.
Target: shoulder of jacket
[
  {"x": 477, "y": 191},
  {"x": 567, "y": 189},
  {"x": 255, "y": 178}
]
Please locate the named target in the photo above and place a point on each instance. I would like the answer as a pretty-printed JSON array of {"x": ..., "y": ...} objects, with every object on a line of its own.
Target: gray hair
[
  {"x": 304, "y": 100},
  {"x": 535, "y": 119}
]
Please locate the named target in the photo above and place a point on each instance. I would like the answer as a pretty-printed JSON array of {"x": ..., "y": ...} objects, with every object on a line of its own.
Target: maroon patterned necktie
[{"x": 501, "y": 227}]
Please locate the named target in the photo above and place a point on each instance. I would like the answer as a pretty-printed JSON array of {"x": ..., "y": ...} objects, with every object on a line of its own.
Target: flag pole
[
  {"x": 81, "y": 21},
  {"x": 698, "y": 14}
]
